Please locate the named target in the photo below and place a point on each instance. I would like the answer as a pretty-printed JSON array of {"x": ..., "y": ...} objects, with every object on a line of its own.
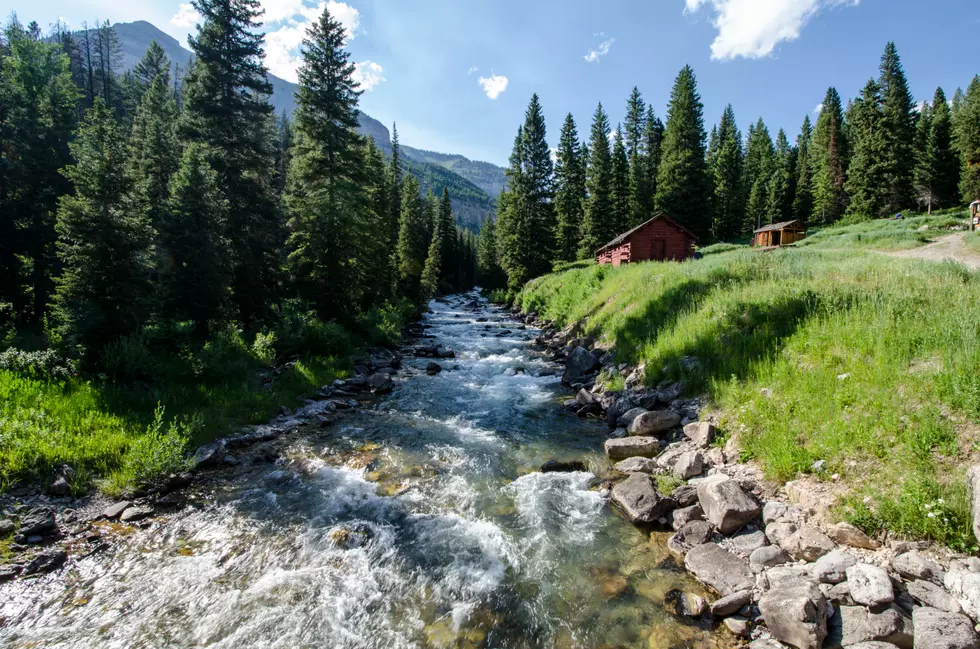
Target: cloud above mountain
[{"x": 493, "y": 85}]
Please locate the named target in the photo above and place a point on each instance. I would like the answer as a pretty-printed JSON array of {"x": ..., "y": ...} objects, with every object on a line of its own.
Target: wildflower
[
  {"x": 932, "y": 514},
  {"x": 941, "y": 501},
  {"x": 928, "y": 505}
]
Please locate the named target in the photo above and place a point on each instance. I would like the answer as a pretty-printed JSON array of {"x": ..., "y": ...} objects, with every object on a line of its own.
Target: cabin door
[
  {"x": 659, "y": 252},
  {"x": 776, "y": 238}
]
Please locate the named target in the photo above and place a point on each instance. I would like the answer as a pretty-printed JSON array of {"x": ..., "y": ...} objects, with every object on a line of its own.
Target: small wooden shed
[
  {"x": 659, "y": 239},
  {"x": 779, "y": 234}
]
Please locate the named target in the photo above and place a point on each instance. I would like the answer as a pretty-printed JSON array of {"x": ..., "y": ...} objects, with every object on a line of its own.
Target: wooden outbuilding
[
  {"x": 779, "y": 234},
  {"x": 659, "y": 239}
]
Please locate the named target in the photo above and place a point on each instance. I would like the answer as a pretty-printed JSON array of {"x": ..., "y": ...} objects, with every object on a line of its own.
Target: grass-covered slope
[{"x": 868, "y": 362}]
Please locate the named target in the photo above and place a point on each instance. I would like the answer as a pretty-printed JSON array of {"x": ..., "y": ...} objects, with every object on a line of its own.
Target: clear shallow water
[{"x": 419, "y": 522}]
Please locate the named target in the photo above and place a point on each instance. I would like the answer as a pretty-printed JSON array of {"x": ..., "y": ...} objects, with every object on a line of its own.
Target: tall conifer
[
  {"x": 760, "y": 163},
  {"x": 153, "y": 147},
  {"x": 828, "y": 155},
  {"x": 621, "y": 213},
  {"x": 598, "y": 227},
  {"x": 569, "y": 192},
  {"x": 968, "y": 142},
  {"x": 726, "y": 169},
  {"x": 779, "y": 199},
  {"x": 867, "y": 175},
  {"x": 898, "y": 110},
  {"x": 803, "y": 194}
]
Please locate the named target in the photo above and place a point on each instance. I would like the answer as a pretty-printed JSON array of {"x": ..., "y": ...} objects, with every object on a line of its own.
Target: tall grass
[
  {"x": 911, "y": 231},
  {"x": 869, "y": 362}
]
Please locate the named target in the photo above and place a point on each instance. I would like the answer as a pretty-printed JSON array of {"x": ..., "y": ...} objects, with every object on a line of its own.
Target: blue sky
[{"x": 456, "y": 75}]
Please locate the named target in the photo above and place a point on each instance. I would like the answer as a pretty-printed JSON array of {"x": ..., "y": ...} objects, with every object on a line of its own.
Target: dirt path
[{"x": 951, "y": 247}]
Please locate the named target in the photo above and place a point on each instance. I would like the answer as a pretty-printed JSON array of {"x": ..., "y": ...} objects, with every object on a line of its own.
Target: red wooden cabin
[{"x": 659, "y": 239}]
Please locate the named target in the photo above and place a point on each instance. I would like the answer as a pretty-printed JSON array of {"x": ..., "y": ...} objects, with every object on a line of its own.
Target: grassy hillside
[
  {"x": 868, "y": 362},
  {"x": 886, "y": 234}
]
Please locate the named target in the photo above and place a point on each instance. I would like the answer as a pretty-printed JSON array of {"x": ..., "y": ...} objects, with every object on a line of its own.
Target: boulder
[
  {"x": 653, "y": 422},
  {"x": 6, "y": 527},
  {"x": 768, "y": 557},
  {"x": 580, "y": 363},
  {"x": 701, "y": 433},
  {"x": 209, "y": 455},
  {"x": 779, "y": 531},
  {"x": 964, "y": 585},
  {"x": 37, "y": 522},
  {"x": 807, "y": 543},
  {"x": 855, "y": 624},
  {"x": 731, "y": 603},
  {"x": 764, "y": 643},
  {"x": 928, "y": 594},
  {"x": 718, "y": 569},
  {"x": 135, "y": 513},
  {"x": 445, "y": 352},
  {"x": 637, "y": 496},
  {"x": 113, "y": 512},
  {"x": 585, "y": 398},
  {"x": 847, "y": 534},
  {"x": 681, "y": 517},
  {"x": 740, "y": 627},
  {"x": 685, "y": 495},
  {"x": 788, "y": 576},
  {"x": 796, "y": 615},
  {"x": 870, "y": 585},
  {"x": 725, "y": 504},
  {"x": 625, "y": 419},
  {"x": 746, "y": 542},
  {"x": 626, "y": 447},
  {"x": 562, "y": 466},
  {"x": 381, "y": 383},
  {"x": 616, "y": 409},
  {"x": 433, "y": 368},
  {"x": 689, "y": 465},
  {"x": 636, "y": 465},
  {"x": 832, "y": 567},
  {"x": 973, "y": 486},
  {"x": 912, "y": 565},
  {"x": 942, "y": 630},
  {"x": 46, "y": 561},
  {"x": 59, "y": 487},
  {"x": 678, "y": 602},
  {"x": 774, "y": 511}
]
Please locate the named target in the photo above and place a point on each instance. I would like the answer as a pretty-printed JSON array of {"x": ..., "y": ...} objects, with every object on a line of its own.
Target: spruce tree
[
  {"x": 377, "y": 256},
  {"x": 867, "y": 175},
  {"x": 760, "y": 163},
  {"x": 331, "y": 215},
  {"x": 394, "y": 182},
  {"x": 898, "y": 109},
  {"x": 598, "y": 226},
  {"x": 153, "y": 147},
  {"x": 104, "y": 242},
  {"x": 621, "y": 213},
  {"x": 636, "y": 151},
  {"x": 283, "y": 151},
  {"x": 803, "y": 195},
  {"x": 726, "y": 169},
  {"x": 944, "y": 163},
  {"x": 449, "y": 251},
  {"x": 683, "y": 186},
  {"x": 196, "y": 278},
  {"x": 153, "y": 64},
  {"x": 653, "y": 136},
  {"x": 429, "y": 283},
  {"x": 490, "y": 275},
  {"x": 569, "y": 192},
  {"x": 513, "y": 236},
  {"x": 829, "y": 157},
  {"x": 779, "y": 199},
  {"x": 226, "y": 108},
  {"x": 413, "y": 238},
  {"x": 968, "y": 142},
  {"x": 538, "y": 185}
]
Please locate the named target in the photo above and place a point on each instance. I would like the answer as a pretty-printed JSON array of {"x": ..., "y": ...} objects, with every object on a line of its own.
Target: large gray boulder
[
  {"x": 929, "y": 594},
  {"x": 653, "y": 422},
  {"x": 964, "y": 585},
  {"x": 796, "y": 615},
  {"x": 690, "y": 535},
  {"x": 636, "y": 465},
  {"x": 807, "y": 543},
  {"x": 689, "y": 465},
  {"x": 637, "y": 496},
  {"x": 912, "y": 565},
  {"x": 625, "y": 419},
  {"x": 580, "y": 363},
  {"x": 701, "y": 433},
  {"x": 627, "y": 447},
  {"x": 941, "y": 630},
  {"x": 209, "y": 455},
  {"x": 855, "y": 624},
  {"x": 718, "y": 569},
  {"x": 832, "y": 568},
  {"x": 725, "y": 504},
  {"x": 768, "y": 557},
  {"x": 731, "y": 603},
  {"x": 870, "y": 585}
]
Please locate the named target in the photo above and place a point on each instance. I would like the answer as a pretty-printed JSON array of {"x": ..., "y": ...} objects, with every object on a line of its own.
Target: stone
[
  {"x": 627, "y": 447},
  {"x": 37, "y": 522},
  {"x": 135, "y": 513},
  {"x": 832, "y": 567},
  {"x": 585, "y": 398},
  {"x": 871, "y": 644},
  {"x": 764, "y": 643},
  {"x": 701, "y": 433},
  {"x": 653, "y": 422},
  {"x": 625, "y": 419},
  {"x": 718, "y": 569},
  {"x": 685, "y": 495},
  {"x": 838, "y": 593},
  {"x": 965, "y": 587},
  {"x": 636, "y": 465},
  {"x": 714, "y": 456},
  {"x": 779, "y": 531},
  {"x": 689, "y": 465},
  {"x": 774, "y": 511},
  {"x": 796, "y": 615},
  {"x": 788, "y": 576},
  {"x": 746, "y": 542},
  {"x": 731, "y": 603},
  {"x": 847, "y": 534},
  {"x": 562, "y": 466},
  {"x": 50, "y": 559},
  {"x": 678, "y": 602},
  {"x": 616, "y": 408},
  {"x": 580, "y": 363},
  {"x": 855, "y": 624},
  {"x": 725, "y": 504},
  {"x": 6, "y": 527},
  {"x": 113, "y": 512},
  {"x": 8, "y": 572},
  {"x": 432, "y": 368},
  {"x": 928, "y": 594},
  {"x": 870, "y": 585},
  {"x": 637, "y": 496},
  {"x": 691, "y": 534},
  {"x": 445, "y": 352},
  {"x": 973, "y": 486},
  {"x": 808, "y": 544},
  {"x": 60, "y": 487},
  {"x": 912, "y": 565},
  {"x": 942, "y": 630},
  {"x": 739, "y": 626},
  {"x": 681, "y": 517},
  {"x": 209, "y": 455},
  {"x": 381, "y": 383},
  {"x": 768, "y": 557}
]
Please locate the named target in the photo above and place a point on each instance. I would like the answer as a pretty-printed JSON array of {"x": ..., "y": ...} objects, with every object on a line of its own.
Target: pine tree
[
  {"x": 377, "y": 254},
  {"x": 413, "y": 238},
  {"x": 569, "y": 192},
  {"x": 683, "y": 186},
  {"x": 726, "y": 169},
  {"x": 598, "y": 226},
  {"x": 621, "y": 213},
  {"x": 104, "y": 243},
  {"x": 779, "y": 199},
  {"x": 803, "y": 195},
  {"x": 449, "y": 251},
  {"x": 196, "y": 277},
  {"x": 870, "y": 166},
  {"x": 153, "y": 64},
  {"x": 898, "y": 109},
  {"x": 653, "y": 136},
  {"x": 394, "y": 182},
  {"x": 429, "y": 285},
  {"x": 760, "y": 163},
  {"x": 636, "y": 151},
  {"x": 829, "y": 157},
  {"x": 945, "y": 165},
  {"x": 226, "y": 108},
  {"x": 968, "y": 141},
  {"x": 513, "y": 237},
  {"x": 332, "y": 219},
  {"x": 153, "y": 147},
  {"x": 490, "y": 275},
  {"x": 283, "y": 151}
]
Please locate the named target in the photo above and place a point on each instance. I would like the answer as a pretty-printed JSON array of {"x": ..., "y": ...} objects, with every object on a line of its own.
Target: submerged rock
[
  {"x": 562, "y": 466},
  {"x": 678, "y": 602}
]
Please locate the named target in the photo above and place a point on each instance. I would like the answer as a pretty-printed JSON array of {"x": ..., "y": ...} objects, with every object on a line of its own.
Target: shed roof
[
  {"x": 779, "y": 226},
  {"x": 626, "y": 235}
]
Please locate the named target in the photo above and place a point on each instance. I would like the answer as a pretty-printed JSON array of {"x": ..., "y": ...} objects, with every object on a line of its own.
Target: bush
[
  {"x": 300, "y": 333},
  {"x": 499, "y": 296},
  {"x": 158, "y": 452},
  {"x": 129, "y": 359},
  {"x": 383, "y": 325},
  {"x": 41, "y": 364}
]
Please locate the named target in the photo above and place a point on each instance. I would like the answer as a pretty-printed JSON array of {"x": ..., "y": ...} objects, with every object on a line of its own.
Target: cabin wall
[{"x": 677, "y": 244}]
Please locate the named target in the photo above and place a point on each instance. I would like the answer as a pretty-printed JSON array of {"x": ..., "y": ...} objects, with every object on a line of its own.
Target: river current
[{"x": 419, "y": 521}]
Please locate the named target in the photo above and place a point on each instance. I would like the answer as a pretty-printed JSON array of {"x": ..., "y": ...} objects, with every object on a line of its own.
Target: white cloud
[
  {"x": 186, "y": 16},
  {"x": 282, "y": 44},
  {"x": 368, "y": 74},
  {"x": 472, "y": 69},
  {"x": 818, "y": 109},
  {"x": 494, "y": 85},
  {"x": 594, "y": 55},
  {"x": 753, "y": 28}
]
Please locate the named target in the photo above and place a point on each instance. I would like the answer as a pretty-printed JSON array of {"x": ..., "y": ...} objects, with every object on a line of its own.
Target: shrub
[
  {"x": 158, "y": 452},
  {"x": 129, "y": 359},
  {"x": 383, "y": 325},
  {"x": 40, "y": 364},
  {"x": 263, "y": 347},
  {"x": 499, "y": 296}
]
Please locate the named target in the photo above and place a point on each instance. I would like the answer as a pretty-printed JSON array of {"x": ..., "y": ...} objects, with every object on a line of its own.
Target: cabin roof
[
  {"x": 626, "y": 235},
  {"x": 780, "y": 226}
]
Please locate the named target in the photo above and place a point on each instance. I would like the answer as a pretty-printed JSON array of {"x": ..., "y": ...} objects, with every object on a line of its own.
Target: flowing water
[{"x": 420, "y": 521}]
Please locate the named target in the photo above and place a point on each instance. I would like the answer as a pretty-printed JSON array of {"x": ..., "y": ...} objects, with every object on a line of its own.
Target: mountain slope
[{"x": 488, "y": 177}]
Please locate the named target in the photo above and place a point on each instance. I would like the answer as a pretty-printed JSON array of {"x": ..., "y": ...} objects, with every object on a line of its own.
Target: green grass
[
  {"x": 870, "y": 363},
  {"x": 718, "y": 248},
  {"x": 885, "y": 234},
  {"x": 973, "y": 241}
]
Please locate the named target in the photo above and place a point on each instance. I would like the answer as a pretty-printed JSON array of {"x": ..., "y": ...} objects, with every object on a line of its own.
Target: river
[{"x": 418, "y": 521}]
